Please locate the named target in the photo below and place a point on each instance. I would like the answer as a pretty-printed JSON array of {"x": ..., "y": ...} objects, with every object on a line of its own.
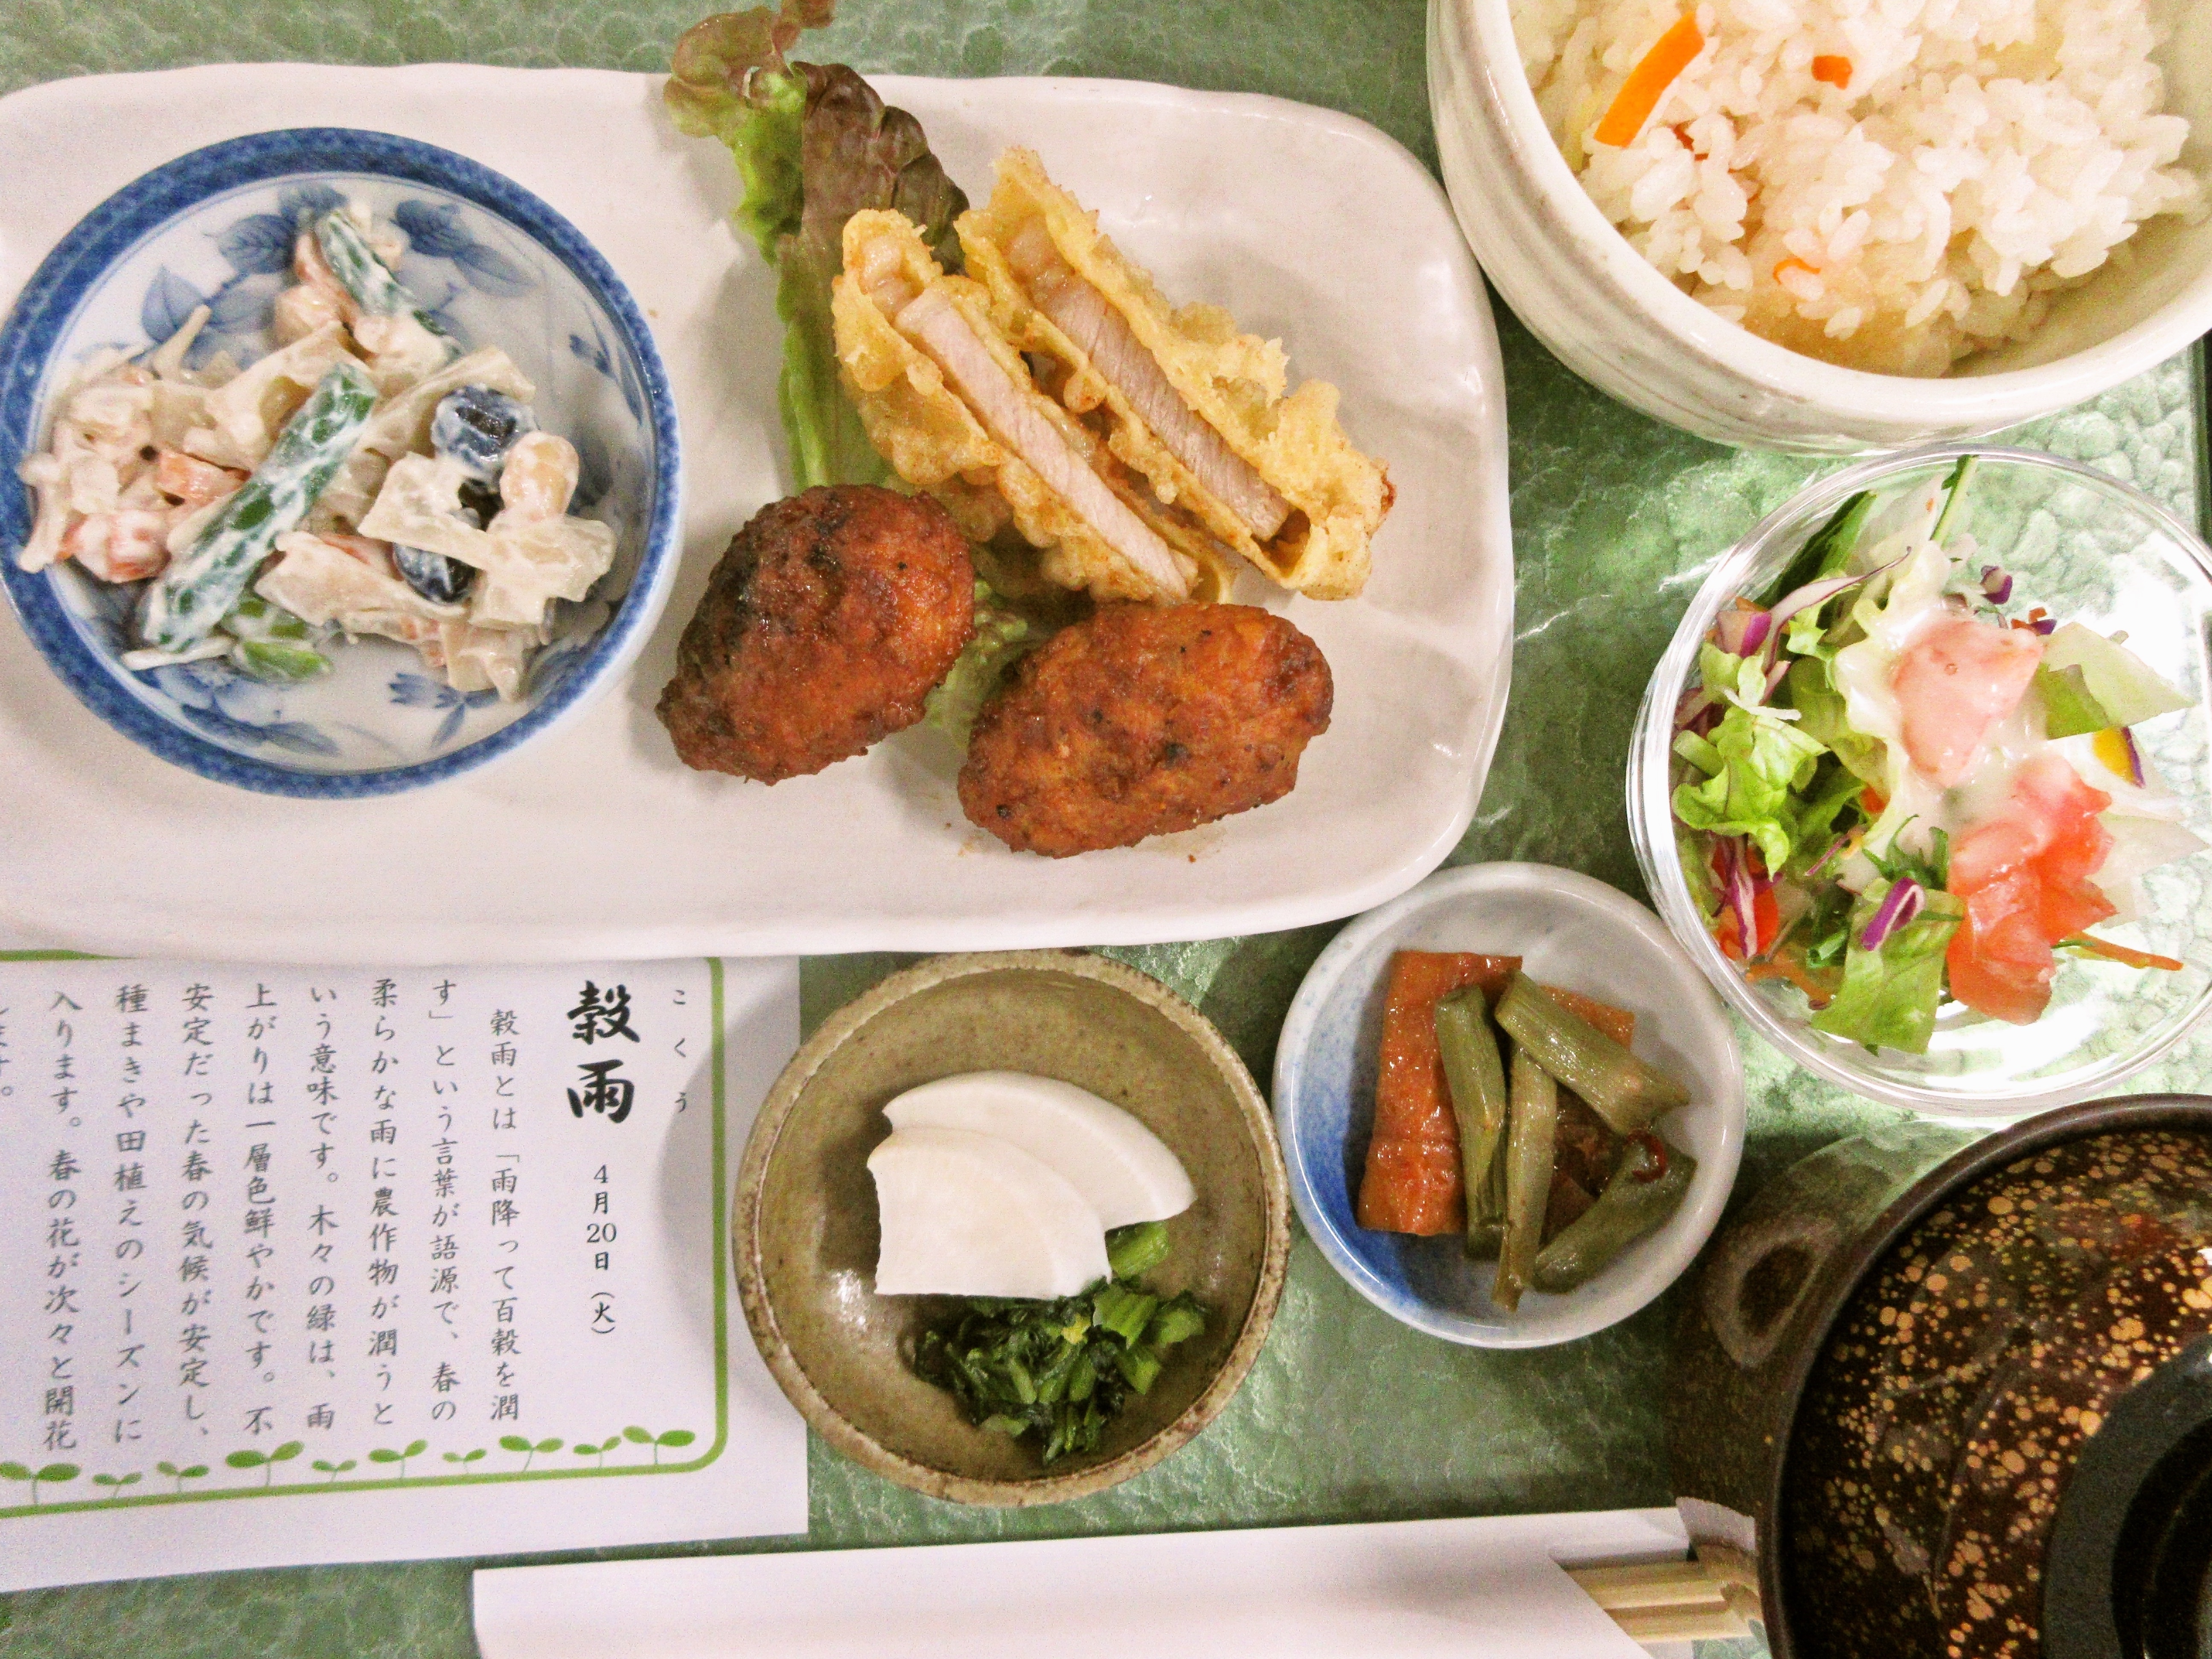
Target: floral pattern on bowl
[{"x": 497, "y": 266}]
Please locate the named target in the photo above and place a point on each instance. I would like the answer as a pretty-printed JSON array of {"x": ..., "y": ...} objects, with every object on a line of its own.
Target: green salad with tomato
[{"x": 1896, "y": 785}]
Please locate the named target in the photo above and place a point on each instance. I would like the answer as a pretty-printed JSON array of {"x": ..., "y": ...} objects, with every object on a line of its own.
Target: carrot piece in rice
[{"x": 1647, "y": 81}]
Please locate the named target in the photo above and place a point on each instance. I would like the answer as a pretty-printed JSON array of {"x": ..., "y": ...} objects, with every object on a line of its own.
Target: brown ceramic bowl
[{"x": 805, "y": 1235}]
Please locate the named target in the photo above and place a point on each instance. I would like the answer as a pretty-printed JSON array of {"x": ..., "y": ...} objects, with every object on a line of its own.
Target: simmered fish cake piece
[
  {"x": 951, "y": 405},
  {"x": 1180, "y": 397},
  {"x": 1140, "y": 721}
]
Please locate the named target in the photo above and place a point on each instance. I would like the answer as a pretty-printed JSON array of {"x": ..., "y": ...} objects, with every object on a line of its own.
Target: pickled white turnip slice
[
  {"x": 964, "y": 1214},
  {"x": 1125, "y": 1170}
]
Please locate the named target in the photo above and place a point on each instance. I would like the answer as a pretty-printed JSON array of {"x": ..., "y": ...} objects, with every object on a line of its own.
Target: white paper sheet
[
  {"x": 312, "y": 1265},
  {"x": 1492, "y": 1587}
]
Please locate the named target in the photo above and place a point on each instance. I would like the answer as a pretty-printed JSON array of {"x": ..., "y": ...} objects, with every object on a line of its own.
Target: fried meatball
[
  {"x": 823, "y": 629},
  {"x": 1141, "y": 721}
]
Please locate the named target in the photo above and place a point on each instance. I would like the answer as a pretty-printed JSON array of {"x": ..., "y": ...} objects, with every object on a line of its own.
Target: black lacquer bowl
[{"x": 1978, "y": 1386}]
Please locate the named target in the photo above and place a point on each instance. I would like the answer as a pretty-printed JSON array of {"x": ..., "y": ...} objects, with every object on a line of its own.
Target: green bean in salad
[
  {"x": 1476, "y": 1077},
  {"x": 193, "y": 596},
  {"x": 368, "y": 278},
  {"x": 1621, "y": 1089}
]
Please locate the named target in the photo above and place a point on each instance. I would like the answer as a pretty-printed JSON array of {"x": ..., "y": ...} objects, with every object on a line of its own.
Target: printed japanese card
[{"x": 309, "y": 1265}]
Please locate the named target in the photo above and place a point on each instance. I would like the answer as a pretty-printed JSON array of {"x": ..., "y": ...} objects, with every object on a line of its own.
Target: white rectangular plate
[{"x": 597, "y": 841}]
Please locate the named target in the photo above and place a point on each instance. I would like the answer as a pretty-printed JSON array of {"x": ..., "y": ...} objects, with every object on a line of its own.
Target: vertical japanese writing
[
  {"x": 127, "y": 1421},
  {"x": 448, "y": 1223},
  {"x": 288, "y": 1227},
  {"x": 58, "y": 1404},
  {"x": 65, "y": 1241},
  {"x": 384, "y": 1325}
]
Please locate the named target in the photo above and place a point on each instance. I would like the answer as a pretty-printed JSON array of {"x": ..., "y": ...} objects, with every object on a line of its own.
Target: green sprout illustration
[
  {"x": 415, "y": 1449},
  {"x": 51, "y": 1474},
  {"x": 333, "y": 1470},
  {"x": 117, "y": 1482},
  {"x": 266, "y": 1461},
  {"x": 196, "y": 1471},
  {"x": 598, "y": 1449},
  {"x": 674, "y": 1437},
  {"x": 515, "y": 1443},
  {"x": 465, "y": 1457}
]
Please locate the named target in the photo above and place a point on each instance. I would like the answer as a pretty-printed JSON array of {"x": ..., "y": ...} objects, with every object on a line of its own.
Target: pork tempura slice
[
  {"x": 1179, "y": 396},
  {"x": 950, "y": 405}
]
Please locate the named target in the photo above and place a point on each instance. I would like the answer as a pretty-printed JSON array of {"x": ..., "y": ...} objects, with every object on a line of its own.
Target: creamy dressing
[{"x": 2143, "y": 821}]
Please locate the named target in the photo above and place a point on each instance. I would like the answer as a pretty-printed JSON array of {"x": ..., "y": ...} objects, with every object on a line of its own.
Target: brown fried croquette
[
  {"x": 1140, "y": 721},
  {"x": 823, "y": 630}
]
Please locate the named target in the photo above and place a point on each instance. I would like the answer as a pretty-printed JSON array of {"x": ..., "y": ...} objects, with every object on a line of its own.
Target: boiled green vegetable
[
  {"x": 1477, "y": 1079},
  {"x": 1620, "y": 1088},
  {"x": 1646, "y": 1190},
  {"x": 1530, "y": 1142},
  {"x": 189, "y": 599},
  {"x": 1061, "y": 1370}
]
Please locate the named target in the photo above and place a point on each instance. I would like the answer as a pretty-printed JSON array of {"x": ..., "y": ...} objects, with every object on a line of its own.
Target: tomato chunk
[{"x": 2025, "y": 878}]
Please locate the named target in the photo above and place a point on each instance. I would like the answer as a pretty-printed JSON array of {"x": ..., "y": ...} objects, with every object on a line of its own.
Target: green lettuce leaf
[
  {"x": 814, "y": 145},
  {"x": 1755, "y": 758},
  {"x": 2124, "y": 684},
  {"x": 1834, "y": 789},
  {"x": 1889, "y": 997},
  {"x": 2071, "y": 709},
  {"x": 1824, "y": 933},
  {"x": 1825, "y": 552},
  {"x": 1811, "y": 690},
  {"x": 1002, "y": 638}
]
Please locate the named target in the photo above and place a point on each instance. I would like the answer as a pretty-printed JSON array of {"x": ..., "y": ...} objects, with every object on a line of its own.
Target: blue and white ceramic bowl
[
  {"x": 500, "y": 268},
  {"x": 1569, "y": 931}
]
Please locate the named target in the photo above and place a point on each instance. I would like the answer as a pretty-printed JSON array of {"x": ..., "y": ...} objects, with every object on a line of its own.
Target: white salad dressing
[{"x": 2144, "y": 822}]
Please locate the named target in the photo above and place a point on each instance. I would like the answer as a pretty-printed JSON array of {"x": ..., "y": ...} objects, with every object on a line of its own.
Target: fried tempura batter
[
  {"x": 823, "y": 630},
  {"x": 951, "y": 405},
  {"x": 1140, "y": 722},
  {"x": 1180, "y": 396}
]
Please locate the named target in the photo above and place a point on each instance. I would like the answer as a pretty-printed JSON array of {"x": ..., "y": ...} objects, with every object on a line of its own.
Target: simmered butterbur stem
[
  {"x": 1476, "y": 1077},
  {"x": 1620, "y": 1088},
  {"x": 1080, "y": 312},
  {"x": 200, "y": 588},
  {"x": 1531, "y": 1140},
  {"x": 1647, "y": 1187}
]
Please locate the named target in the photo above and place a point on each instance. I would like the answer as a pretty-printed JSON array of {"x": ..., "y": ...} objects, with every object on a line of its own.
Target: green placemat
[{"x": 1348, "y": 1415}]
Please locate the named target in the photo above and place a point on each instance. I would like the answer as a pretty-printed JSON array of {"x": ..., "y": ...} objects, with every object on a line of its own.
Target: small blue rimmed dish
[
  {"x": 1569, "y": 931},
  {"x": 497, "y": 266}
]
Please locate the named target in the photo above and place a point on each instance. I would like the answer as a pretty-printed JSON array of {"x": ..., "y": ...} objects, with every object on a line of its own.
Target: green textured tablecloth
[{"x": 1347, "y": 1415}]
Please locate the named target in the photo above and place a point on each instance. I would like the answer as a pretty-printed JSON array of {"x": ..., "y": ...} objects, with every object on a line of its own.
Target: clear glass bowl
[{"x": 2092, "y": 549}]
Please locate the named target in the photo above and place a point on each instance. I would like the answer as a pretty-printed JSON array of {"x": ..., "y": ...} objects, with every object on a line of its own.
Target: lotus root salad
[
  {"x": 367, "y": 477},
  {"x": 1899, "y": 783}
]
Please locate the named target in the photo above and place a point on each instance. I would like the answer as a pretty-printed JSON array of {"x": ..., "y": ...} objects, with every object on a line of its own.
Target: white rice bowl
[{"x": 1981, "y": 156}]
